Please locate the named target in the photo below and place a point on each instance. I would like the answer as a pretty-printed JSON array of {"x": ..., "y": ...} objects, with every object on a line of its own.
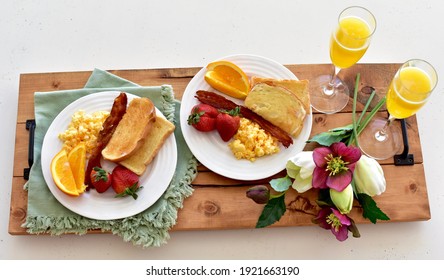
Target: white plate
[
  {"x": 212, "y": 151},
  {"x": 103, "y": 206}
]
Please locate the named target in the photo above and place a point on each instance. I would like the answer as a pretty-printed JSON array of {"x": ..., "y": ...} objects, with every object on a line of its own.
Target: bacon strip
[
  {"x": 110, "y": 124},
  {"x": 221, "y": 102}
]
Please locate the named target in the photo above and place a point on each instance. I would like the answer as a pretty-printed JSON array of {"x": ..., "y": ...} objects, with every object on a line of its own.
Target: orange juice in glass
[
  {"x": 348, "y": 43},
  {"x": 409, "y": 90}
]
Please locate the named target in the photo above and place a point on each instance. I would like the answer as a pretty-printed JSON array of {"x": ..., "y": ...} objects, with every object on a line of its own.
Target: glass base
[
  {"x": 328, "y": 101},
  {"x": 378, "y": 145}
]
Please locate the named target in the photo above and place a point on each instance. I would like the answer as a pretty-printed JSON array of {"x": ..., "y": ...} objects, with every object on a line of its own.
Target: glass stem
[
  {"x": 330, "y": 87},
  {"x": 381, "y": 135}
]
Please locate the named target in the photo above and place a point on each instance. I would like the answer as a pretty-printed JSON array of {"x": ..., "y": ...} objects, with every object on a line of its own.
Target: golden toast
[
  {"x": 277, "y": 105},
  {"x": 160, "y": 131},
  {"x": 298, "y": 87},
  {"x": 131, "y": 130}
]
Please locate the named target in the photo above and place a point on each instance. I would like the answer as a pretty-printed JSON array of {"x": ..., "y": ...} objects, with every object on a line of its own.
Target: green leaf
[
  {"x": 340, "y": 134},
  {"x": 342, "y": 128},
  {"x": 371, "y": 210},
  {"x": 281, "y": 184},
  {"x": 272, "y": 212}
]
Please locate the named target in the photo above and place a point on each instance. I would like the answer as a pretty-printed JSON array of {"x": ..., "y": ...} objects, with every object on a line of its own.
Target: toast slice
[
  {"x": 131, "y": 130},
  {"x": 278, "y": 106},
  {"x": 298, "y": 87},
  {"x": 138, "y": 162}
]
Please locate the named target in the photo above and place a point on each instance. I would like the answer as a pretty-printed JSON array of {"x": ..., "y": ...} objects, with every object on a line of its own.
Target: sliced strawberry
[
  {"x": 227, "y": 124},
  {"x": 125, "y": 182},
  {"x": 100, "y": 179}
]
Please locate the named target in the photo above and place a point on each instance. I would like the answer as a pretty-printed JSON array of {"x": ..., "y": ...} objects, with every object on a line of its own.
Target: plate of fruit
[
  {"x": 244, "y": 116},
  {"x": 100, "y": 163}
]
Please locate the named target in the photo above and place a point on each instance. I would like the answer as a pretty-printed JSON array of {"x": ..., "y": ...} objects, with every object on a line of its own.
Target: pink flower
[
  {"x": 332, "y": 219},
  {"x": 334, "y": 166}
]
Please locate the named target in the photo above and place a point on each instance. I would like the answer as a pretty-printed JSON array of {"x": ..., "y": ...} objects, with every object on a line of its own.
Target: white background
[{"x": 57, "y": 36}]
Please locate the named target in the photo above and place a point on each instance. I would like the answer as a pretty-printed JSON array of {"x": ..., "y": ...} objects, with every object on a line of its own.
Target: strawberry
[
  {"x": 100, "y": 179},
  {"x": 227, "y": 123},
  {"x": 125, "y": 182},
  {"x": 203, "y": 117},
  {"x": 207, "y": 110},
  {"x": 204, "y": 124}
]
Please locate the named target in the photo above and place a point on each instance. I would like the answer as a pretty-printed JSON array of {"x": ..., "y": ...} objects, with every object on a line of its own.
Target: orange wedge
[
  {"x": 62, "y": 174},
  {"x": 77, "y": 161},
  {"x": 228, "y": 78}
]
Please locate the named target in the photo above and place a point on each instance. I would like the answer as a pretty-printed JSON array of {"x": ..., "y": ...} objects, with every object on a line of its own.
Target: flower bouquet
[{"x": 339, "y": 172}]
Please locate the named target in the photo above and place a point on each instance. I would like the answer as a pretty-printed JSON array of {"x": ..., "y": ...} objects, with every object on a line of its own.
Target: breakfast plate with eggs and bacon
[
  {"x": 263, "y": 116},
  {"x": 140, "y": 146}
]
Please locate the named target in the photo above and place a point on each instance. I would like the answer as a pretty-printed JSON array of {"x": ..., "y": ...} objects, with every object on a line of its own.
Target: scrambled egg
[
  {"x": 83, "y": 127},
  {"x": 251, "y": 141}
]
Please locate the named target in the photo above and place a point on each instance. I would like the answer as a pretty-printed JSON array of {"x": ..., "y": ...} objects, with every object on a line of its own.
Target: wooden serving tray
[{"x": 219, "y": 202}]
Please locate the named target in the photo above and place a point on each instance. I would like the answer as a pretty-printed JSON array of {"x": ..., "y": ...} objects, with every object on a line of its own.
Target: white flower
[
  {"x": 369, "y": 177},
  {"x": 343, "y": 200},
  {"x": 300, "y": 168}
]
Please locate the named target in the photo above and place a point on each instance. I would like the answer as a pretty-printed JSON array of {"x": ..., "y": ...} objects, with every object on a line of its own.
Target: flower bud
[
  {"x": 300, "y": 168},
  {"x": 369, "y": 177},
  {"x": 260, "y": 194},
  {"x": 343, "y": 200}
]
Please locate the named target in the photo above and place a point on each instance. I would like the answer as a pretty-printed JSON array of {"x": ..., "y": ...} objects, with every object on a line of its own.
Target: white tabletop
[{"x": 57, "y": 36}]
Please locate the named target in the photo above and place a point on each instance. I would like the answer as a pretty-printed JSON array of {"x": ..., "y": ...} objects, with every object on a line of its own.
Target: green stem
[
  {"x": 355, "y": 192},
  {"x": 370, "y": 115},
  {"x": 354, "y": 137},
  {"x": 364, "y": 111},
  {"x": 277, "y": 195}
]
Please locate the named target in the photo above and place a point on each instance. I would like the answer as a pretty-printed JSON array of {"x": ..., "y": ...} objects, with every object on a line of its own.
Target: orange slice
[
  {"x": 228, "y": 78},
  {"x": 62, "y": 174},
  {"x": 77, "y": 161}
]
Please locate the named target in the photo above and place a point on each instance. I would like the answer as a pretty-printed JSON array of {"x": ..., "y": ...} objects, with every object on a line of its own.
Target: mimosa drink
[
  {"x": 349, "y": 42},
  {"x": 408, "y": 92}
]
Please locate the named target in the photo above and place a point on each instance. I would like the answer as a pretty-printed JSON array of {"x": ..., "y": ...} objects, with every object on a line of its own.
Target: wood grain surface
[{"x": 219, "y": 202}]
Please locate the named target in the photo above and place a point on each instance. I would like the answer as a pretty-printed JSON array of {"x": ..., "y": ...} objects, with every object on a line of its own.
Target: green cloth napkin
[{"x": 149, "y": 228}]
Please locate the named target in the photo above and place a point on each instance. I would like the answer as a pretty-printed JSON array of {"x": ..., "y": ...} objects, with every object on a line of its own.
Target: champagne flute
[
  {"x": 348, "y": 43},
  {"x": 409, "y": 90}
]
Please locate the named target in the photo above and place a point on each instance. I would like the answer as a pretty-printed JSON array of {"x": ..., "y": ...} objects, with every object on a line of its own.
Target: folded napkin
[{"x": 149, "y": 228}]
